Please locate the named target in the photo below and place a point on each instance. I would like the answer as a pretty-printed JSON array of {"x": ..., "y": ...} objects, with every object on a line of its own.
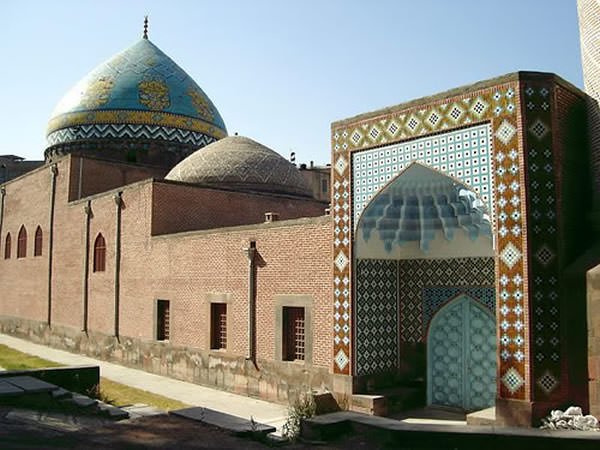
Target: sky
[{"x": 280, "y": 71}]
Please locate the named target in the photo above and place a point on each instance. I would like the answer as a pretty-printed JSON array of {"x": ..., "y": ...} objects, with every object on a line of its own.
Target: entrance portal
[{"x": 461, "y": 356}]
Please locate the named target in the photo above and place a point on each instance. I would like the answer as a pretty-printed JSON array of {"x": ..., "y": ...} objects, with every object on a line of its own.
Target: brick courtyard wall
[
  {"x": 293, "y": 259},
  {"x": 23, "y": 281},
  {"x": 92, "y": 176},
  {"x": 181, "y": 207},
  {"x": 189, "y": 269}
]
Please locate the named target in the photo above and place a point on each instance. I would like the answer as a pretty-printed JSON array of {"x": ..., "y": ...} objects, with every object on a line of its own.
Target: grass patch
[
  {"x": 12, "y": 359},
  {"x": 110, "y": 391},
  {"x": 120, "y": 395}
]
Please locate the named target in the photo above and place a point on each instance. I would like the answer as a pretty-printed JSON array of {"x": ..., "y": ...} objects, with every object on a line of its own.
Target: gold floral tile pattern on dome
[
  {"x": 135, "y": 118},
  {"x": 154, "y": 94},
  {"x": 497, "y": 105},
  {"x": 201, "y": 104},
  {"x": 98, "y": 92}
]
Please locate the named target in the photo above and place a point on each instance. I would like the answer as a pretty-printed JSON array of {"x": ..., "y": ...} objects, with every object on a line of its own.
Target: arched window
[
  {"x": 99, "y": 254},
  {"x": 39, "y": 240},
  {"x": 22, "y": 243},
  {"x": 7, "y": 246}
]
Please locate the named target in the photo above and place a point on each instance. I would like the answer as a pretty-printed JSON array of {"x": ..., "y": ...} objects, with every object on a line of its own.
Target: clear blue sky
[{"x": 280, "y": 71}]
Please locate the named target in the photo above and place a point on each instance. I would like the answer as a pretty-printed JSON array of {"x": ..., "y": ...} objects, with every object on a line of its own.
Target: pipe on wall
[
  {"x": 87, "y": 209},
  {"x": 54, "y": 174},
  {"x": 119, "y": 203},
  {"x": 251, "y": 254},
  {"x": 2, "y": 195}
]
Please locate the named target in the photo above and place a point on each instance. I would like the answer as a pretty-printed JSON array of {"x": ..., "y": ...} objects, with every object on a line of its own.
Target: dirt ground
[{"x": 154, "y": 432}]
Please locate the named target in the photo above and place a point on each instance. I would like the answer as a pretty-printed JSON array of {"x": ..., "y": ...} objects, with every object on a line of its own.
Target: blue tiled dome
[{"x": 140, "y": 92}]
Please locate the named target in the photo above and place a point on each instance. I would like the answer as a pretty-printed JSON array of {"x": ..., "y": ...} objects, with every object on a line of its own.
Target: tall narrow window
[
  {"x": 218, "y": 325},
  {"x": 99, "y": 254},
  {"x": 22, "y": 243},
  {"x": 7, "y": 246},
  {"x": 39, "y": 240},
  {"x": 293, "y": 333},
  {"x": 163, "y": 320}
]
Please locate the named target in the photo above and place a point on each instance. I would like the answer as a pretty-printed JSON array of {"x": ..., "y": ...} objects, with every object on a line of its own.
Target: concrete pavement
[{"x": 193, "y": 394}]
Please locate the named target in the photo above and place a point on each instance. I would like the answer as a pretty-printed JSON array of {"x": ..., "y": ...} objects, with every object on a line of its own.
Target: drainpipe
[
  {"x": 2, "y": 195},
  {"x": 54, "y": 173},
  {"x": 87, "y": 209},
  {"x": 119, "y": 203},
  {"x": 80, "y": 182},
  {"x": 251, "y": 253}
]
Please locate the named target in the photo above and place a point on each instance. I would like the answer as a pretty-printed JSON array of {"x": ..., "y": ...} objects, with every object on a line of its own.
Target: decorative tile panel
[
  {"x": 542, "y": 233},
  {"x": 376, "y": 316},
  {"x": 426, "y": 284},
  {"x": 462, "y": 154},
  {"x": 497, "y": 105}
]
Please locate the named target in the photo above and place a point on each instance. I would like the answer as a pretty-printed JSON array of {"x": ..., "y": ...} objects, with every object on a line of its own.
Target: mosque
[{"x": 454, "y": 264}]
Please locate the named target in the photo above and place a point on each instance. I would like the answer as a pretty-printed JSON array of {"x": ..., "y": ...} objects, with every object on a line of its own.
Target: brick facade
[{"x": 189, "y": 269}]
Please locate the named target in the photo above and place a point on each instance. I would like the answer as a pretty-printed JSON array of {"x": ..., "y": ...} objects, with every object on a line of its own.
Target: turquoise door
[{"x": 461, "y": 356}]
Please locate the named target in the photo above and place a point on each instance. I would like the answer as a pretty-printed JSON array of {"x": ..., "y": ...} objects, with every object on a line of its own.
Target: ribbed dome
[
  {"x": 240, "y": 163},
  {"x": 140, "y": 93}
]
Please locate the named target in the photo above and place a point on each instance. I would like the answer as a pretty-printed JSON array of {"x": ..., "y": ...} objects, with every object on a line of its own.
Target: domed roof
[
  {"x": 139, "y": 93},
  {"x": 240, "y": 163}
]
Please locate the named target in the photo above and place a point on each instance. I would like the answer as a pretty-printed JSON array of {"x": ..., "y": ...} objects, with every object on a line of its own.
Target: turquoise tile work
[{"x": 463, "y": 154}]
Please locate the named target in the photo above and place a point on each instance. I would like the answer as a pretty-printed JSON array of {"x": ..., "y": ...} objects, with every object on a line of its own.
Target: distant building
[
  {"x": 12, "y": 166},
  {"x": 318, "y": 179}
]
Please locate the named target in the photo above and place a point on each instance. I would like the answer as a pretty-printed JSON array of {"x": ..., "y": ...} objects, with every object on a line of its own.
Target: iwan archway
[
  {"x": 519, "y": 142},
  {"x": 425, "y": 289}
]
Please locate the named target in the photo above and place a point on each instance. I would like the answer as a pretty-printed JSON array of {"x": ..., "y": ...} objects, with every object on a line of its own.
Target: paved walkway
[{"x": 192, "y": 394}]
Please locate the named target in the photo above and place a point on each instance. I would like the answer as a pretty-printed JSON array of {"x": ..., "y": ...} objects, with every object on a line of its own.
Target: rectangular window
[
  {"x": 324, "y": 186},
  {"x": 162, "y": 320},
  {"x": 218, "y": 326},
  {"x": 293, "y": 338}
]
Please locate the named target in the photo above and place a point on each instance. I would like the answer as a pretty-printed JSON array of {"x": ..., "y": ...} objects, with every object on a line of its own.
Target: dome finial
[{"x": 145, "y": 27}]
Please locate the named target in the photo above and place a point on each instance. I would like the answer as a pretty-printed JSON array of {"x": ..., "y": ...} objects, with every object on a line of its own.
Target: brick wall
[
  {"x": 91, "y": 176},
  {"x": 24, "y": 280},
  {"x": 188, "y": 269},
  {"x": 181, "y": 207}
]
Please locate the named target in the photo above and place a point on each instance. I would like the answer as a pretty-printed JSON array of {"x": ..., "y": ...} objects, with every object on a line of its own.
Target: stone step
[
  {"x": 9, "y": 390},
  {"x": 30, "y": 385},
  {"x": 81, "y": 401},
  {"x": 111, "y": 411},
  {"x": 61, "y": 393},
  {"x": 224, "y": 421},
  {"x": 484, "y": 417},
  {"x": 142, "y": 410}
]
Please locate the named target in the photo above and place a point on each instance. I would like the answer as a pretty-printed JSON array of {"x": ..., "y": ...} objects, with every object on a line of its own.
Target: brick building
[{"x": 452, "y": 267}]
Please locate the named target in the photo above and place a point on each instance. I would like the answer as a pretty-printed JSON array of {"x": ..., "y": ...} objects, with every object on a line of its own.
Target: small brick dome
[{"x": 239, "y": 163}]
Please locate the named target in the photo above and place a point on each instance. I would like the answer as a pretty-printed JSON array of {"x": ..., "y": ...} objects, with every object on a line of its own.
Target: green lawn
[{"x": 116, "y": 393}]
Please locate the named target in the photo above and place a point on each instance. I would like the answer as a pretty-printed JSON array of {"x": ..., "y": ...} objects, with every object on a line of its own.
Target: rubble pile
[{"x": 571, "y": 419}]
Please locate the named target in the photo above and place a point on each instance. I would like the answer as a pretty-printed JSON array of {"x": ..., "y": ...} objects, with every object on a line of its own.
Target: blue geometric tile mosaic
[
  {"x": 376, "y": 316},
  {"x": 435, "y": 297},
  {"x": 463, "y": 154},
  {"x": 475, "y": 275}
]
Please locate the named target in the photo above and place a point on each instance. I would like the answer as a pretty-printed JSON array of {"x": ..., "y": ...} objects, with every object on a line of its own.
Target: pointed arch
[
  {"x": 22, "y": 242},
  {"x": 99, "y": 253},
  {"x": 7, "y": 245},
  {"x": 39, "y": 242}
]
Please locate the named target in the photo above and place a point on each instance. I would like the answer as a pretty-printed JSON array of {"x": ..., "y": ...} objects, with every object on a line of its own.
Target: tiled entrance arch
[{"x": 517, "y": 111}]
